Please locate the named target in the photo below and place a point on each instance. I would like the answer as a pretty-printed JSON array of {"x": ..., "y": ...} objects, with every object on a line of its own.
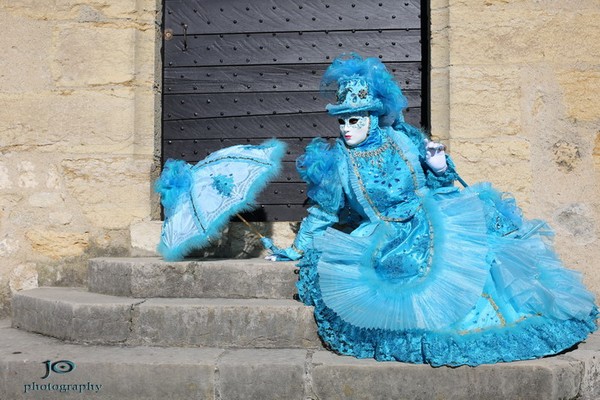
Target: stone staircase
[{"x": 229, "y": 329}]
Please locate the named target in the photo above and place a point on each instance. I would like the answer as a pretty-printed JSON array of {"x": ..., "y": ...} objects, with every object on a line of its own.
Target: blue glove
[{"x": 277, "y": 254}]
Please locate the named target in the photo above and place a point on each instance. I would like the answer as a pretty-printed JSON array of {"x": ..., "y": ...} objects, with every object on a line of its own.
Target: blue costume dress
[{"x": 416, "y": 270}]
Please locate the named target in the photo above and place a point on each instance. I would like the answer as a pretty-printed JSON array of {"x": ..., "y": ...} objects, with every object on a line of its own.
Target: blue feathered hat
[{"x": 364, "y": 85}]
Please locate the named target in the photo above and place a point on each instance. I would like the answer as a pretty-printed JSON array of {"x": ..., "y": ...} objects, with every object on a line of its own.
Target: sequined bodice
[{"x": 386, "y": 180}]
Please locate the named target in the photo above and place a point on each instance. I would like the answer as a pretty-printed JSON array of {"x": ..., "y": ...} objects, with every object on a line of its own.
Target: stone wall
[
  {"x": 514, "y": 94},
  {"x": 77, "y": 135}
]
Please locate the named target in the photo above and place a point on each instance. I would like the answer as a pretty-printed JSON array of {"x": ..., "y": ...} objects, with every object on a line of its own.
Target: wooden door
[{"x": 242, "y": 71}]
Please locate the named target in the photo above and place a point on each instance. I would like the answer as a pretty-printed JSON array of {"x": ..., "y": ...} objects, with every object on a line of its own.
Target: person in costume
[{"x": 400, "y": 264}]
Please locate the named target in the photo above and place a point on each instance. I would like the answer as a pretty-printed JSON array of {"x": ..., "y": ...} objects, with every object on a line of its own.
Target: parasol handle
[{"x": 252, "y": 228}]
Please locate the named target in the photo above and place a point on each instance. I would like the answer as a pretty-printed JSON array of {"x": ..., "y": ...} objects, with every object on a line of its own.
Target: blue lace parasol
[{"x": 199, "y": 200}]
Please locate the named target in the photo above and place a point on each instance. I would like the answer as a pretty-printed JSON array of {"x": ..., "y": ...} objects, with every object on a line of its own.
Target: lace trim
[{"x": 371, "y": 153}]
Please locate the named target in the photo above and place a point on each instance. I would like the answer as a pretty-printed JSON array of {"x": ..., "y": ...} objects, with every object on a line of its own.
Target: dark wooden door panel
[
  {"x": 216, "y": 105},
  {"x": 291, "y": 47},
  {"x": 241, "y": 16},
  {"x": 241, "y": 72},
  {"x": 268, "y": 78}
]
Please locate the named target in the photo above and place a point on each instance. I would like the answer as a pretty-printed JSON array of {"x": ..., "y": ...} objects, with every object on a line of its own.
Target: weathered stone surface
[
  {"x": 145, "y": 237},
  {"x": 96, "y": 56},
  {"x": 108, "y": 201},
  {"x": 137, "y": 373},
  {"x": 58, "y": 244},
  {"x": 27, "y": 175},
  {"x": 25, "y": 62},
  {"x": 225, "y": 323},
  {"x": 210, "y": 373},
  {"x": 84, "y": 317},
  {"x": 23, "y": 277},
  {"x": 577, "y": 220},
  {"x": 580, "y": 88},
  {"x": 260, "y": 374},
  {"x": 153, "y": 277},
  {"x": 505, "y": 163},
  {"x": 98, "y": 121},
  {"x": 590, "y": 381},
  {"x": 566, "y": 155},
  {"x": 338, "y": 377},
  {"x": 45, "y": 199},
  {"x": 484, "y": 101},
  {"x": 127, "y": 13},
  {"x": 73, "y": 314},
  {"x": 5, "y": 180},
  {"x": 520, "y": 35},
  {"x": 596, "y": 151}
]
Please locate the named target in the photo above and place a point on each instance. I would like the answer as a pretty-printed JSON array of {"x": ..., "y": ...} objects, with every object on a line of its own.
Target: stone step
[
  {"x": 154, "y": 277},
  {"x": 150, "y": 373},
  {"x": 79, "y": 316}
]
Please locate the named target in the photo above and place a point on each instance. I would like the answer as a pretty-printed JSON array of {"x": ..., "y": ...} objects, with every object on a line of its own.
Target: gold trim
[
  {"x": 369, "y": 153},
  {"x": 495, "y": 307}
]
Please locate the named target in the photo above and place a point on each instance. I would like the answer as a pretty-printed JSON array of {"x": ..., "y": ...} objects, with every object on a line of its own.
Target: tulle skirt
[{"x": 466, "y": 281}]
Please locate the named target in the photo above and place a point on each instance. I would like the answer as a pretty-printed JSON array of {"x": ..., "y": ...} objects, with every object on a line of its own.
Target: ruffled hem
[{"x": 531, "y": 338}]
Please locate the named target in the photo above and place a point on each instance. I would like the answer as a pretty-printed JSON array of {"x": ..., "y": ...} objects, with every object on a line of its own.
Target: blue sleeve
[
  {"x": 432, "y": 180},
  {"x": 319, "y": 168},
  {"x": 313, "y": 225}
]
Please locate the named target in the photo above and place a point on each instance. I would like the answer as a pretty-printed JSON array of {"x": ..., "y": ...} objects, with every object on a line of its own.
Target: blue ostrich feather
[
  {"x": 378, "y": 79},
  {"x": 318, "y": 168},
  {"x": 175, "y": 180}
]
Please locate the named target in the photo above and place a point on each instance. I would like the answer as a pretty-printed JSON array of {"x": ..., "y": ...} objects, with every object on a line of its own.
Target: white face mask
[{"x": 354, "y": 129}]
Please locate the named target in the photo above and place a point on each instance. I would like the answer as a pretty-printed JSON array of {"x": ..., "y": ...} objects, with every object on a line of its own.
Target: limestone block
[
  {"x": 17, "y": 128},
  {"x": 258, "y": 374},
  {"x": 337, "y": 377},
  {"x": 5, "y": 180},
  {"x": 73, "y": 314},
  {"x": 58, "y": 244},
  {"x": 27, "y": 176},
  {"x": 82, "y": 121},
  {"x": 484, "y": 101},
  {"x": 145, "y": 236},
  {"x": 596, "y": 151},
  {"x": 45, "y": 199},
  {"x": 440, "y": 103},
  {"x": 132, "y": 373},
  {"x": 146, "y": 123},
  {"x": 8, "y": 246},
  {"x": 111, "y": 8},
  {"x": 505, "y": 163},
  {"x": 580, "y": 90},
  {"x": 112, "y": 192},
  {"x": 26, "y": 54},
  {"x": 23, "y": 277},
  {"x": 53, "y": 178},
  {"x": 88, "y": 55},
  {"x": 238, "y": 323},
  {"x": 60, "y": 218},
  {"x": 207, "y": 278},
  {"x": 147, "y": 58},
  {"x": 520, "y": 35},
  {"x": 95, "y": 121}
]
